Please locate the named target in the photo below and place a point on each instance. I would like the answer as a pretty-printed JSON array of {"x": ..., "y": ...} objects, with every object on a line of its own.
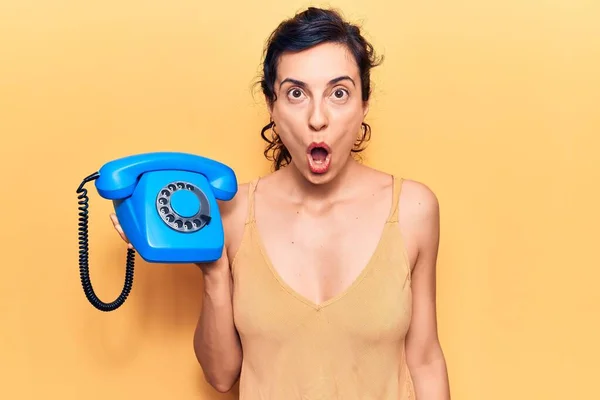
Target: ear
[
  {"x": 269, "y": 107},
  {"x": 365, "y": 108}
]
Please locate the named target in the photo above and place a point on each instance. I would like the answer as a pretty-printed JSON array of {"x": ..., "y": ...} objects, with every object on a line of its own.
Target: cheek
[
  {"x": 351, "y": 114},
  {"x": 347, "y": 124},
  {"x": 290, "y": 130},
  {"x": 291, "y": 121}
]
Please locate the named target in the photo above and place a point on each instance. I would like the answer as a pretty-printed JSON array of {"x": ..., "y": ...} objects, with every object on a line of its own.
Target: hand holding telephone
[{"x": 166, "y": 203}]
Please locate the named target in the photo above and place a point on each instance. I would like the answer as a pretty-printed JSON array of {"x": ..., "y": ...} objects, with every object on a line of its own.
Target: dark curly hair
[{"x": 307, "y": 29}]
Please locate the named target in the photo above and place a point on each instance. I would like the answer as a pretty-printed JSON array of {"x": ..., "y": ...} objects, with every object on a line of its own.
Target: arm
[
  {"x": 424, "y": 354},
  {"x": 216, "y": 342}
]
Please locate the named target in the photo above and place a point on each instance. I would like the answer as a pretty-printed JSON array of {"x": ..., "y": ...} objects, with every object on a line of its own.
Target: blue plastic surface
[
  {"x": 134, "y": 182},
  {"x": 118, "y": 178},
  {"x": 185, "y": 203}
]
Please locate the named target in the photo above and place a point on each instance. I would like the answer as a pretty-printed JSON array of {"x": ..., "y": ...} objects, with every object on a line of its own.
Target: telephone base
[
  {"x": 156, "y": 230},
  {"x": 165, "y": 256}
]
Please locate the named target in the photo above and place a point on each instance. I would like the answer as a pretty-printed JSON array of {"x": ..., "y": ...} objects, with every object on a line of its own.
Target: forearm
[
  {"x": 430, "y": 379},
  {"x": 216, "y": 341}
]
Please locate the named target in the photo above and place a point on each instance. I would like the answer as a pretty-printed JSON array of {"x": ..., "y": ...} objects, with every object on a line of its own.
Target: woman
[{"x": 326, "y": 286}]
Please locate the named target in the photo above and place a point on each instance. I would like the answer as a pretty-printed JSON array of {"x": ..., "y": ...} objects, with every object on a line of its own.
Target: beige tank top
[{"x": 350, "y": 347}]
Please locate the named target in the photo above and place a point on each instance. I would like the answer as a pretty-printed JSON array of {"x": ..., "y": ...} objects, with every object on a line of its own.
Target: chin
[{"x": 318, "y": 179}]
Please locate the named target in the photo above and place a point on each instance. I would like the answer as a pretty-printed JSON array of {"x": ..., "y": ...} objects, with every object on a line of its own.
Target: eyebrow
[{"x": 331, "y": 82}]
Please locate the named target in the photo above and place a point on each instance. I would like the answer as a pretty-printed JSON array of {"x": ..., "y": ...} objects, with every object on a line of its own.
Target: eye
[
  {"x": 340, "y": 93},
  {"x": 295, "y": 93}
]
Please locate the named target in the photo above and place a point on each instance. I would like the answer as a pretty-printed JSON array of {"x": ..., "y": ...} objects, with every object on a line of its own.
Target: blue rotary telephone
[{"x": 166, "y": 203}]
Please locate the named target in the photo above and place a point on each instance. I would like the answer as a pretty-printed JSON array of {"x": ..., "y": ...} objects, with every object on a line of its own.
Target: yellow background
[{"x": 494, "y": 104}]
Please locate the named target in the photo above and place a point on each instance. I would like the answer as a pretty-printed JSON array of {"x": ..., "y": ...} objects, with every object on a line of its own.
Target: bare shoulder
[
  {"x": 419, "y": 201},
  {"x": 233, "y": 215},
  {"x": 419, "y": 216}
]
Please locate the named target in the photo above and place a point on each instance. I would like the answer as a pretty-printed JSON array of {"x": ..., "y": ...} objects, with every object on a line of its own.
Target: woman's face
[{"x": 319, "y": 109}]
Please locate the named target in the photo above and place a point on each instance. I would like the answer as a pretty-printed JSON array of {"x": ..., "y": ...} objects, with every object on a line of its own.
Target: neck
[{"x": 329, "y": 191}]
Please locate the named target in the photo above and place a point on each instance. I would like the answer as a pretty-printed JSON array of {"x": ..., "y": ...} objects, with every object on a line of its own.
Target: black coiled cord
[{"x": 84, "y": 255}]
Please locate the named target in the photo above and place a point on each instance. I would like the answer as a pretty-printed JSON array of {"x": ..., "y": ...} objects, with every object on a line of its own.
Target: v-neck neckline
[
  {"x": 299, "y": 296},
  {"x": 391, "y": 218}
]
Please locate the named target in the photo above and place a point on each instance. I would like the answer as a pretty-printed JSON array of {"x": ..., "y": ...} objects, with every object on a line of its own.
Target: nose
[{"x": 318, "y": 119}]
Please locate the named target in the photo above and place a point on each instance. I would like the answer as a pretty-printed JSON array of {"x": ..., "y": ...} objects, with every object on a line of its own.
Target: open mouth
[{"x": 319, "y": 157}]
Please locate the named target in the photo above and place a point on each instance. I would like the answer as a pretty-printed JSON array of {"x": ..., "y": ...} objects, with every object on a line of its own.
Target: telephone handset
[{"x": 166, "y": 203}]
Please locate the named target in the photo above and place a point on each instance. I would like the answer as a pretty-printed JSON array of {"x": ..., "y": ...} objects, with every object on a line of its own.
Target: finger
[
  {"x": 118, "y": 227},
  {"x": 114, "y": 219},
  {"x": 120, "y": 230},
  {"x": 123, "y": 236}
]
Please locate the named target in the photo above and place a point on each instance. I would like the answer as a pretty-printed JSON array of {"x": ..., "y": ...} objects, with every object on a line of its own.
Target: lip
[
  {"x": 321, "y": 167},
  {"x": 314, "y": 145}
]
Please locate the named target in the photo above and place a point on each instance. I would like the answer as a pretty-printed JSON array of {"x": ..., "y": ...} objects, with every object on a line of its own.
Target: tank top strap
[
  {"x": 251, "y": 190},
  {"x": 396, "y": 190}
]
